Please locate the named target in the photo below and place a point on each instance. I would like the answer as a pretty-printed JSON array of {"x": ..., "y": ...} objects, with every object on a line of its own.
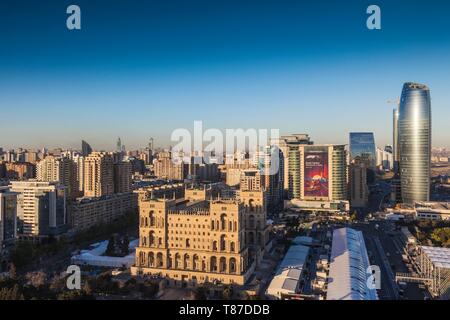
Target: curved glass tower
[{"x": 414, "y": 142}]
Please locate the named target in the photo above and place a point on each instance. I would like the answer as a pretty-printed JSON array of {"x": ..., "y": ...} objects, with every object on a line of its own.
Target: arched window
[
  {"x": 232, "y": 247},
  {"x": 251, "y": 221},
  {"x": 214, "y": 246},
  {"x": 213, "y": 264},
  {"x": 151, "y": 259},
  {"x": 251, "y": 205},
  {"x": 177, "y": 261},
  {"x": 151, "y": 238},
  {"x": 152, "y": 218},
  {"x": 232, "y": 265},
  {"x": 222, "y": 243},
  {"x": 195, "y": 261},
  {"x": 159, "y": 260},
  {"x": 223, "y": 264},
  {"x": 186, "y": 262},
  {"x": 223, "y": 222}
]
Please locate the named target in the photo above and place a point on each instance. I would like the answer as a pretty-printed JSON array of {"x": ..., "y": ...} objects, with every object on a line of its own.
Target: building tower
[
  {"x": 98, "y": 175},
  {"x": 85, "y": 148},
  {"x": 414, "y": 128}
]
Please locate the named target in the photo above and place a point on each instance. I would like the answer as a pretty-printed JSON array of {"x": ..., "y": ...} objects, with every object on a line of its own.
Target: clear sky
[{"x": 140, "y": 69}]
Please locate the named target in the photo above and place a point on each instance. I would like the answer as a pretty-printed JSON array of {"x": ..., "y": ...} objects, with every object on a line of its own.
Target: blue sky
[{"x": 141, "y": 69}]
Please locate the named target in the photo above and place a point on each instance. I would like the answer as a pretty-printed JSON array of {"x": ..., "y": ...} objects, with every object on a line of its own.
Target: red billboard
[{"x": 316, "y": 173}]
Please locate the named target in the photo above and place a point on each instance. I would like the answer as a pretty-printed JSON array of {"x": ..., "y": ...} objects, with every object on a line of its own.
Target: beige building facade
[{"x": 98, "y": 175}]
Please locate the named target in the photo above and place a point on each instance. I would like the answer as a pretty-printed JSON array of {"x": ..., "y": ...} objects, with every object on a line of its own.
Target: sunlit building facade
[{"x": 414, "y": 127}]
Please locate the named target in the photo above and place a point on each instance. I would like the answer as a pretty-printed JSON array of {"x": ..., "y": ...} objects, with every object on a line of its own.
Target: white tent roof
[
  {"x": 348, "y": 265},
  {"x": 94, "y": 257},
  {"x": 439, "y": 256}
]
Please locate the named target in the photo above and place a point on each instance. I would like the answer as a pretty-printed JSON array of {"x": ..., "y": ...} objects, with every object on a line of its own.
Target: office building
[
  {"x": 385, "y": 159},
  {"x": 414, "y": 132},
  {"x": 362, "y": 145},
  {"x": 98, "y": 175}
]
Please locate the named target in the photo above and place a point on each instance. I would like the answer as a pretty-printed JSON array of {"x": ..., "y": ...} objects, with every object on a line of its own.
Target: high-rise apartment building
[
  {"x": 270, "y": 163},
  {"x": 414, "y": 142},
  {"x": 41, "y": 207},
  {"x": 20, "y": 170},
  {"x": 98, "y": 175},
  {"x": 122, "y": 177},
  {"x": 62, "y": 170},
  {"x": 359, "y": 191},
  {"x": 79, "y": 163},
  {"x": 251, "y": 180},
  {"x": 166, "y": 168},
  {"x": 290, "y": 147},
  {"x": 8, "y": 216}
]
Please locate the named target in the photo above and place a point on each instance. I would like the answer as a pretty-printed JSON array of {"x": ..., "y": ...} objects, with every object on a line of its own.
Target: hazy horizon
[{"x": 139, "y": 70}]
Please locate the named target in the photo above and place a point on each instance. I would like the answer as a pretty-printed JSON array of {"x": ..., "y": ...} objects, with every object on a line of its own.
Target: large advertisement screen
[{"x": 316, "y": 173}]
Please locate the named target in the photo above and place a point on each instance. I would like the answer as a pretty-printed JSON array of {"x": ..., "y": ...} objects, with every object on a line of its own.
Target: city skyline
[{"x": 160, "y": 69}]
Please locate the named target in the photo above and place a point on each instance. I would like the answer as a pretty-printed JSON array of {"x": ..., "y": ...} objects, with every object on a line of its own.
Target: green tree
[{"x": 441, "y": 236}]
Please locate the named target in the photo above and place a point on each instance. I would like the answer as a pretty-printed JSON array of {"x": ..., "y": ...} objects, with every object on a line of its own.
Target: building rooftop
[
  {"x": 439, "y": 256},
  {"x": 348, "y": 265}
]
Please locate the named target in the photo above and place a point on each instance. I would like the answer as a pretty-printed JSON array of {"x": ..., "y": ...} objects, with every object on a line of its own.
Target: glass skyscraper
[
  {"x": 414, "y": 142},
  {"x": 362, "y": 145}
]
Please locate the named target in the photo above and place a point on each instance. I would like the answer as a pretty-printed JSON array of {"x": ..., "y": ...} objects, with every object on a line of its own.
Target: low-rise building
[{"x": 87, "y": 212}]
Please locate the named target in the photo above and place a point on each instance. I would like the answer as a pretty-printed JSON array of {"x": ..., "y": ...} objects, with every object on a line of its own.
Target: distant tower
[
  {"x": 150, "y": 144},
  {"x": 395, "y": 138},
  {"x": 119, "y": 145},
  {"x": 414, "y": 142},
  {"x": 85, "y": 148}
]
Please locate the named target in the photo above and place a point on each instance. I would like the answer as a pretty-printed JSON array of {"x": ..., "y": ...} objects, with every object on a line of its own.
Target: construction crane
[{"x": 396, "y": 101}]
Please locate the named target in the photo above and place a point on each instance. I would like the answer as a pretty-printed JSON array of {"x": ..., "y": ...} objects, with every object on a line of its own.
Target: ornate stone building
[
  {"x": 202, "y": 238},
  {"x": 191, "y": 242}
]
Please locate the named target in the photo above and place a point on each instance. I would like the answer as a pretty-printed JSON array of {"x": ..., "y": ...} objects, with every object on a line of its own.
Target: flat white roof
[
  {"x": 289, "y": 272},
  {"x": 348, "y": 266},
  {"x": 439, "y": 256},
  {"x": 94, "y": 256}
]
